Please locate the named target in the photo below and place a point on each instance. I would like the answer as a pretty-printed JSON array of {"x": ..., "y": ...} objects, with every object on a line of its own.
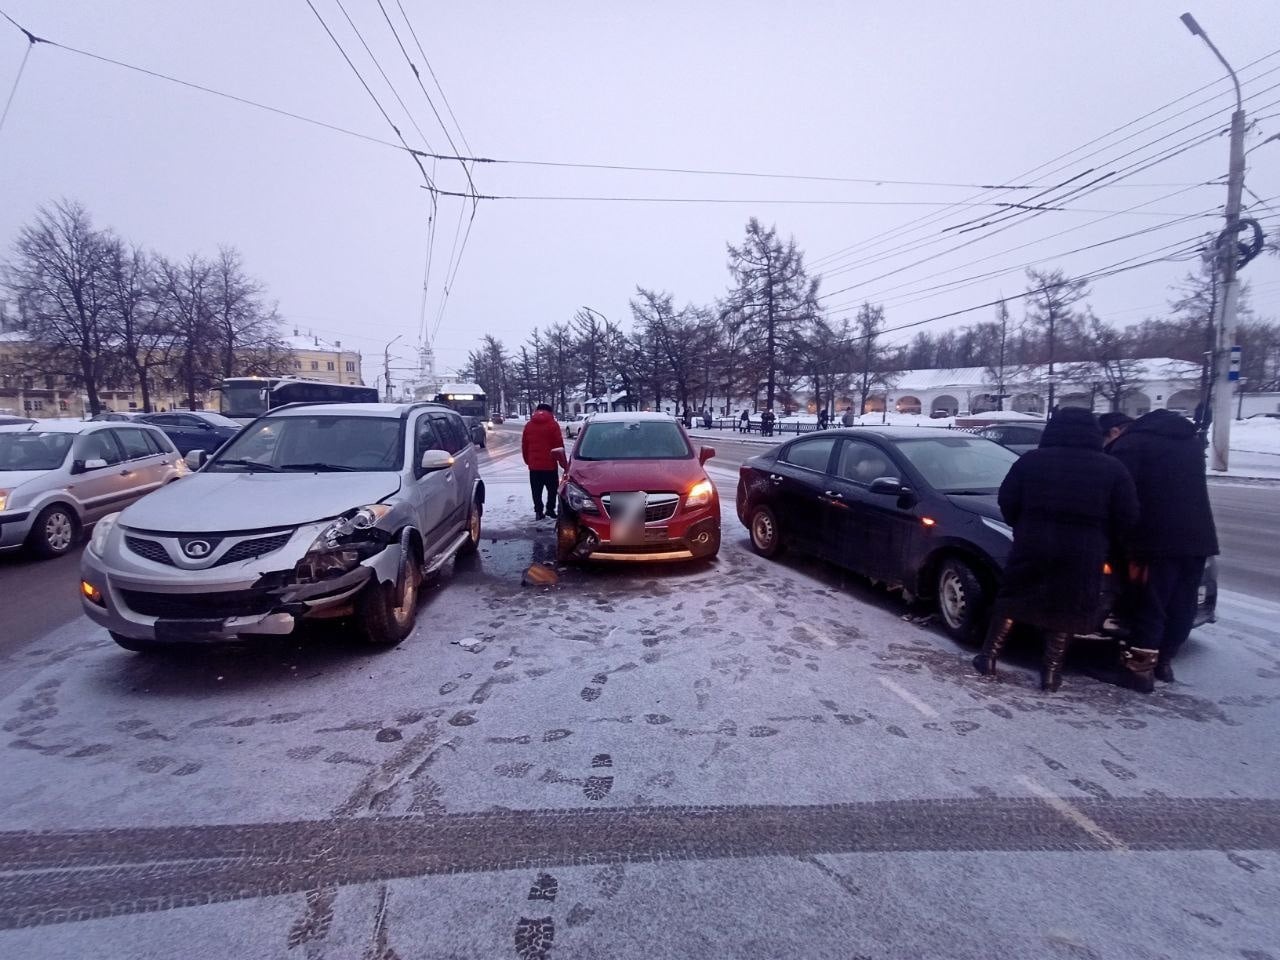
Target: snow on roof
[
  {"x": 1154, "y": 368},
  {"x": 458, "y": 387},
  {"x": 630, "y": 416},
  {"x": 309, "y": 341},
  {"x": 1002, "y": 415}
]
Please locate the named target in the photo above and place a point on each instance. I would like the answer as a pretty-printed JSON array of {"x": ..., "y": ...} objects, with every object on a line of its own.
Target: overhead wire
[{"x": 32, "y": 40}]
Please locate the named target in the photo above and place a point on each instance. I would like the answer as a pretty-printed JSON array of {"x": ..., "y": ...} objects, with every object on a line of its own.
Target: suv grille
[
  {"x": 249, "y": 549},
  {"x": 198, "y": 606},
  {"x": 658, "y": 506},
  {"x": 150, "y": 549}
]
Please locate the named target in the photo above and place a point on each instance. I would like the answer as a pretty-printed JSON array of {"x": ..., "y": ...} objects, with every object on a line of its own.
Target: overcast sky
[{"x": 933, "y": 91}]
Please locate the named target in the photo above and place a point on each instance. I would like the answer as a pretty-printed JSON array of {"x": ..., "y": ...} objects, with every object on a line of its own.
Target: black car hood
[{"x": 984, "y": 505}]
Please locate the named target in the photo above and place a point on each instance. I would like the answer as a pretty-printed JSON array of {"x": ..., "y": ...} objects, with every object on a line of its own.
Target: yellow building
[{"x": 317, "y": 359}]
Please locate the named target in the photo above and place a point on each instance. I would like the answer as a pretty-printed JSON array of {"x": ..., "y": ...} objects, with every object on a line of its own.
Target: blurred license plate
[{"x": 626, "y": 516}]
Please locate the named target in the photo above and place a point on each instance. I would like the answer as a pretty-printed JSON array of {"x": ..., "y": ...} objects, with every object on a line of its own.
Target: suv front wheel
[{"x": 388, "y": 611}]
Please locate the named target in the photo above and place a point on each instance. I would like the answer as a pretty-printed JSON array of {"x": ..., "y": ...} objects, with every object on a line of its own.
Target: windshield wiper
[
  {"x": 318, "y": 467},
  {"x": 251, "y": 464}
]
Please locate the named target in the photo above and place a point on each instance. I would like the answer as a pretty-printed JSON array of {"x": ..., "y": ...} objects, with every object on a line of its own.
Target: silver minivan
[
  {"x": 313, "y": 511},
  {"x": 59, "y": 476}
]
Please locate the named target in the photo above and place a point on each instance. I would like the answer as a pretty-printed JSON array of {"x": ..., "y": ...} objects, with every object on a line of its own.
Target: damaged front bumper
[
  {"x": 142, "y": 600},
  {"x": 580, "y": 540}
]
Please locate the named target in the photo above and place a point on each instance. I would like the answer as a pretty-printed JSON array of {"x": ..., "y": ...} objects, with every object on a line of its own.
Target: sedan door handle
[
  {"x": 126, "y": 473},
  {"x": 833, "y": 495},
  {"x": 774, "y": 478}
]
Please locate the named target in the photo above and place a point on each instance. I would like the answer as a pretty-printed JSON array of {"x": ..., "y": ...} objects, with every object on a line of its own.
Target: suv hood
[
  {"x": 210, "y": 502},
  {"x": 10, "y": 479},
  {"x": 598, "y": 477}
]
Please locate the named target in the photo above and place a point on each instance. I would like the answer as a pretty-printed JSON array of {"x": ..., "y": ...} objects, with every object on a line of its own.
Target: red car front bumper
[{"x": 689, "y": 534}]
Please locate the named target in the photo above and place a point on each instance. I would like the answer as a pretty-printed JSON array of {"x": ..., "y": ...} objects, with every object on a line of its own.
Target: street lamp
[
  {"x": 1226, "y": 319},
  {"x": 386, "y": 364}
]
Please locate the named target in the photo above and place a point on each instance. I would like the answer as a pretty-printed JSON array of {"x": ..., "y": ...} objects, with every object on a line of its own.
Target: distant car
[
  {"x": 6, "y": 420},
  {"x": 314, "y": 511},
  {"x": 634, "y": 488},
  {"x": 475, "y": 429},
  {"x": 194, "y": 429},
  {"x": 909, "y": 507},
  {"x": 112, "y": 416},
  {"x": 496, "y": 419},
  {"x": 1018, "y": 437},
  {"x": 1263, "y": 416},
  {"x": 58, "y": 477},
  {"x": 573, "y": 426}
]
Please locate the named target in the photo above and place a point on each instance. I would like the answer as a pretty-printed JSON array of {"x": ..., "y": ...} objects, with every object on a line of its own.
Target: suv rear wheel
[
  {"x": 388, "y": 611},
  {"x": 473, "y": 527}
]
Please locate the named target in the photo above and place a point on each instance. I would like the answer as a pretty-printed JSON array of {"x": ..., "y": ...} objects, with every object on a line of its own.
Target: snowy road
[{"x": 737, "y": 759}]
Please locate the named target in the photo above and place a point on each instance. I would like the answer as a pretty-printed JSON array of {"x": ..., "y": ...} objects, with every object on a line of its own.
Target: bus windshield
[{"x": 244, "y": 398}]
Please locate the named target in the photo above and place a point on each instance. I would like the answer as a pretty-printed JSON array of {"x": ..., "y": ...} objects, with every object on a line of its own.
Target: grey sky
[{"x": 935, "y": 91}]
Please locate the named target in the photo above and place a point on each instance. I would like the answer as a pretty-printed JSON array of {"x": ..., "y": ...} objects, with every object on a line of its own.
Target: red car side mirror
[
  {"x": 705, "y": 454},
  {"x": 558, "y": 455}
]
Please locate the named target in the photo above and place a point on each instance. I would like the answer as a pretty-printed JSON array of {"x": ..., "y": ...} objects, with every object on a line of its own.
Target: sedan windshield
[
  {"x": 632, "y": 440},
  {"x": 315, "y": 444},
  {"x": 959, "y": 464},
  {"x": 34, "y": 451}
]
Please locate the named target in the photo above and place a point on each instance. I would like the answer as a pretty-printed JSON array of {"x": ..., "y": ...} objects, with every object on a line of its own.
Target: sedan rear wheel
[{"x": 766, "y": 536}]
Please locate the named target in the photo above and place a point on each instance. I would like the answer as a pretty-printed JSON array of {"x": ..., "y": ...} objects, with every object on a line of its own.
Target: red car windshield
[{"x": 632, "y": 440}]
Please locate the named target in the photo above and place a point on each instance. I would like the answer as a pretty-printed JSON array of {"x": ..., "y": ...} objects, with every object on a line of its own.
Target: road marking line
[
  {"x": 809, "y": 628},
  {"x": 1069, "y": 812},
  {"x": 907, "y": 696}
]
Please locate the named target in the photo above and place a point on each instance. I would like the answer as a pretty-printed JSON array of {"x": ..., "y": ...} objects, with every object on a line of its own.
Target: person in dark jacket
[
  {"x": 1168, "y": 548},
  {"x": 542, "y": 435},
  {"x": 1113, "y": 426},
  {"x": 823, "y": 418},
  {"x": 745, "y": 420},
  {"x": 1066, "y": 502},
  {"x": 766, "y": 422}
]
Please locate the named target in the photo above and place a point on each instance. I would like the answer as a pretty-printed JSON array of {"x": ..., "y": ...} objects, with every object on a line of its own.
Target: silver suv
[
  {"x": 312, "y": 511},
  {"x": 59, "y": 476}
]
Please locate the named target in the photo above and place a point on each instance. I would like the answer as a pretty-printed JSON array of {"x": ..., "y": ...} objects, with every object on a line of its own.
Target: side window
[
  {"x": 425, "y": 438},
  {"x": 163, "y": 420},
  {"x": 134, "y": 444},
  {"x": 158, "y": 441},
  {"x": 812, "y": 454},
  {"x": 451, "y": 432},
  {"x": 100, "y": 445},
  {"x": 862, "y": 462},
  {"x": 190, "y": 422}
]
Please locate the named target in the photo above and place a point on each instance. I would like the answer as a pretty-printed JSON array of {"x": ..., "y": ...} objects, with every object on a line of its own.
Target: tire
[
  {"x": 134, "y": 646},
  {"x": 474, "y": 518},
  {"x": 766, "y": 534},
  {"x": 387, "y": 612},
  {"x": 55, "y": 532},
  {"x": 962, "y": 599},
  {"x": 566, "y": 539}
]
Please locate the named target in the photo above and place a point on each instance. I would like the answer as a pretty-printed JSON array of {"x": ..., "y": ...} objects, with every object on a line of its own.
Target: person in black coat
[
  {"x": 1066, "y": 502},
  {"x": 1168, "y": 548}
]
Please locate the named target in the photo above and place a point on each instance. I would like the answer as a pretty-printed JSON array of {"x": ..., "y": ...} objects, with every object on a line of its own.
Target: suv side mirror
[
  {"x": 889, "y": 486},
  {"x": 433, "y": 460},
  {"x": 558, "y": 455},
  {"x": 196, "y": 458},
  {"x": 705, "y": 454}
]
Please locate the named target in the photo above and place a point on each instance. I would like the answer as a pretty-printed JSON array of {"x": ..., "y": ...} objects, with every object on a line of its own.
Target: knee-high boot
[
  {"x": 997, "y": 634},
  {"x": 1055, "y": 653}
]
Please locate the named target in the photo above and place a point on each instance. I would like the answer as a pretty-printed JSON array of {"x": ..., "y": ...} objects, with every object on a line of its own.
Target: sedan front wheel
[{"x": 962, "y": 599}]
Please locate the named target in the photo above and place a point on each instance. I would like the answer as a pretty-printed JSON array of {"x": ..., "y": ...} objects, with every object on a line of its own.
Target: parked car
[
  {"x": 313, "y": 511},
  {"x": 194, "y": 429},
  {"x": 573, "y": 426},
  {"x": 496, "y": 419},
  {"x": 59, "y": 476},
  {"x": 634, "y": 488},
  {"x": 476, "y": 431},
  {"x": 8, "y": 420},
  {"x": 1018, "y": 437},
  {"x": 909, "y": 507},
  {"x": 113, "y": 416}
]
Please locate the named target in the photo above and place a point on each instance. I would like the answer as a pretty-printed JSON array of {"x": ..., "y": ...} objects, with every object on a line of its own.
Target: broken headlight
[{"x": 340, "y": 546}]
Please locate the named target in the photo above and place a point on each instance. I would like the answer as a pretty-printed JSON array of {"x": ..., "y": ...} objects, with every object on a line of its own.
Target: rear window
[{"x": 632, "y": 440}]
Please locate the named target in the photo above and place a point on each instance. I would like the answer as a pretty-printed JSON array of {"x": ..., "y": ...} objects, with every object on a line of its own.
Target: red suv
[{"x": 634, "y": 489}]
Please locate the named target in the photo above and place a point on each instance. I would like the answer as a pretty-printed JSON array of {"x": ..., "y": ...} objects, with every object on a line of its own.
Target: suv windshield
[
  {"x": 315, "y": 443},
  {"x": 960, "y": 463},
  {"x": 34, "y": 451},
  {"x": 632, "y": 440}
]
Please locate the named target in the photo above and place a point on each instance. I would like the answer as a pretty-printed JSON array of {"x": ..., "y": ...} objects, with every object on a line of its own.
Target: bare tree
[
  {"x": 134, "y": 293},
  {"x": 185, "y": 306},
  {"x": 869, "y": 354},
  {"x": 246, "y": 327},
  {"x": 590, "y": 330},
  {"x": 59, "y": 278},
  {"x": 1110, "y": 356},
  {"x": 1051, "y": 305}
]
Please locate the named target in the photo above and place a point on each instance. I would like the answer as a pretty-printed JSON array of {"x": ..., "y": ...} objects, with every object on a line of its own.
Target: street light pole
[
  {"x": 1228, "y": 359},
  {"x": 386, "y": 365}
]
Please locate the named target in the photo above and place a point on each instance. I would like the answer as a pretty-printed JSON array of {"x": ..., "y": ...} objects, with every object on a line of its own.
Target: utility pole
[
  {"x": 1228, "y": 358},
  {"x": 1053, "y": 319},
  {"x": 386, "y": 367}
]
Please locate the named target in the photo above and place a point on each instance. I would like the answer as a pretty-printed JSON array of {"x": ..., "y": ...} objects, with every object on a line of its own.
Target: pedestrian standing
[
  {"x": 542, "y": 435},
  {"x": 766, "y": 422},
  {"x": 745, "y": 421},
  {"x": 1066, "y": 502},
  {"x": 847, "y": 419},
  {"x": 823, "y": 419},
  {"x": 706, "y": 418},
  {"x": 1168, "y": 548}
]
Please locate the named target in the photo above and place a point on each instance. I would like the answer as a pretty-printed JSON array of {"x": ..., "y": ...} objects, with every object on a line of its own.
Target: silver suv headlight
[
  {"x": 341, "y": 545},
  {"x": 102, "y": 530}
]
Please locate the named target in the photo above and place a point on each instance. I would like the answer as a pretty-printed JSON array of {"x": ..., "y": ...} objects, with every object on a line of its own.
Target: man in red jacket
[{"x": 541, "y": 436}]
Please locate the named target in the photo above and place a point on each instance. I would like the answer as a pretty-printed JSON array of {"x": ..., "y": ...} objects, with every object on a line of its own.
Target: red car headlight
[{"x": 699, "y": 494}]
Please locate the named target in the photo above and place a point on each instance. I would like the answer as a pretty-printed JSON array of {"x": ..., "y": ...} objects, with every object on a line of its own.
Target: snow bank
[{"x": 1258, "y": 435}]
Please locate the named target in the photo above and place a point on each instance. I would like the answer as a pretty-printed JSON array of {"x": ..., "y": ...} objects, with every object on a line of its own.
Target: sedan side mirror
[
  {"x": 433, "y": 460},
  {"x": 705, "y": 454},
  {"x": 889, "y": 486},
  {"x": 558, "y": 455},
  {"x": 196, "y": 458}
]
